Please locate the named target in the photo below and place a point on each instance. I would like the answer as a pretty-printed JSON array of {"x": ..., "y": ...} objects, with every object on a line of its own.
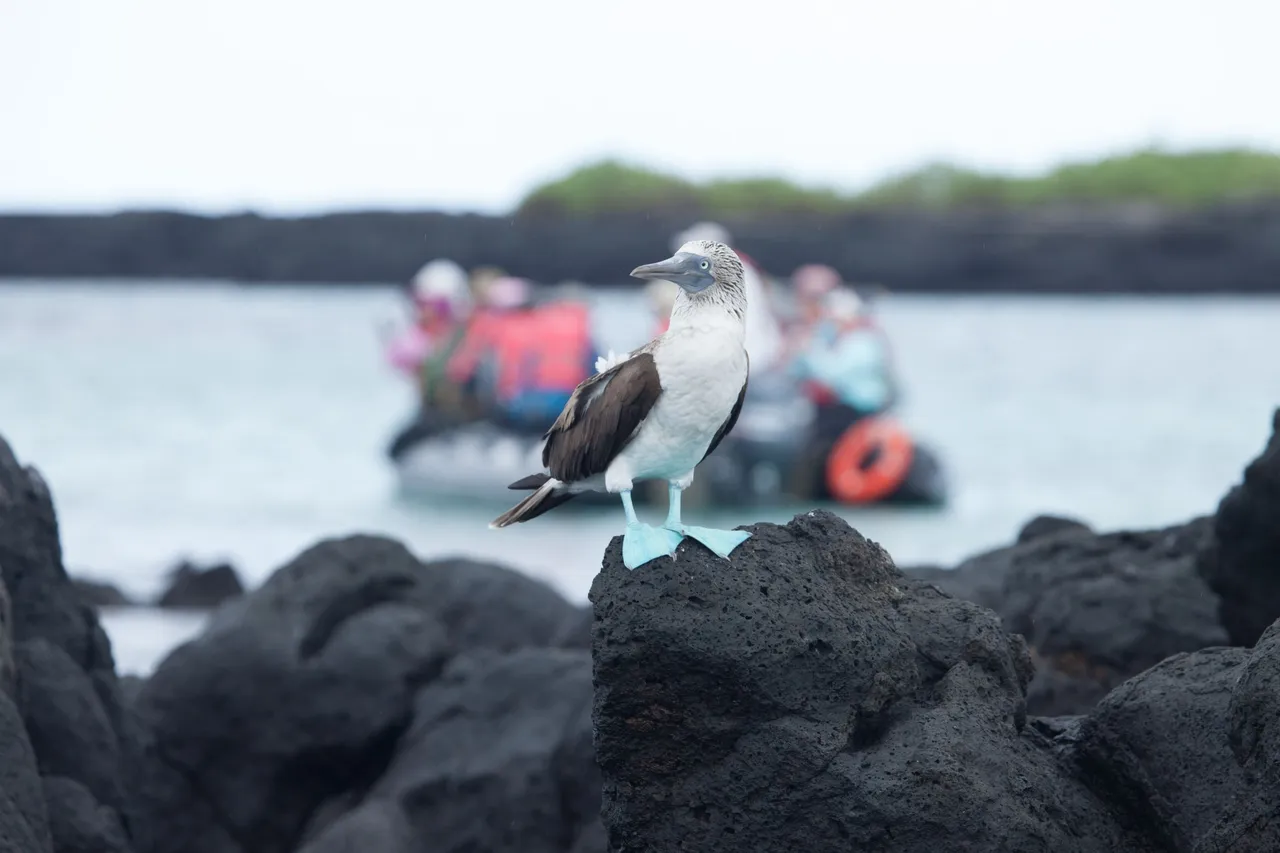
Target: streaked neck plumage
[{"x": 721, "y": 306}]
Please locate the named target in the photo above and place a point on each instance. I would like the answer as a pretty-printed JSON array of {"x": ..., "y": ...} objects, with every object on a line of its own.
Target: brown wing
[
  {"x": 727, "y": 426},
  {"x": 600, "y": 419}
]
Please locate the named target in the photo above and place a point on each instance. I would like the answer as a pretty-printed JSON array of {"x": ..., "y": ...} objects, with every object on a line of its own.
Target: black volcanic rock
[
  {"x": 24, "y": 817},
  {"x": 1095, "y": 608},
  {"x": 71, "y": 732},
  {"x": 498, "y": 758},
  {"x": 1157, "y": 746},
  {"x": 1251, "y": 823},
  {"x": 1050, "y": 525},
  {"x": 193, "y": 587},
  {"x": 79, "y": 823},
  {"x": 805, "y": 695},
  {"x": 293, "y": 695},
  {"x": 60, "y": 701},
  {"x": 1243, "y": 567},
  {"x": 484, "y": 605},
  {"x": 100, "y": 593},
  {"x": 362, "y": 697}
]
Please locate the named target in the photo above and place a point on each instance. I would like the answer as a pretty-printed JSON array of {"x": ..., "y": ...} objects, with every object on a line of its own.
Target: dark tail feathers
[{"x": 545, "y": 497}]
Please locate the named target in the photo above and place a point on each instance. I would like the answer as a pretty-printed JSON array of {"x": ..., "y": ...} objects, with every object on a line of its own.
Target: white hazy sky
[{"x": 298, "y": 105}]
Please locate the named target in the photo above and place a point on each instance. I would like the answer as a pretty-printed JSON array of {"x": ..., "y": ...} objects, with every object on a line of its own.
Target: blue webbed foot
[
  {"x": 642, "y": 543},
  {"x": 720, "y": 542}
]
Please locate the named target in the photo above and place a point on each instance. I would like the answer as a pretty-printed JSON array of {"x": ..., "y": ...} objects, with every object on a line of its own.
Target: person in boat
[
  {"x": 439, "y": 300},
  {"x": 446, "y": 302},
  {"x": 838, "y": 350},
  {"x": 764, "y": 338},
  {"x": 519, "y": 361}
]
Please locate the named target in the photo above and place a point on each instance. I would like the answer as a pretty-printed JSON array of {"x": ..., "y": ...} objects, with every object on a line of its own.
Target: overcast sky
[{"x": 297, "y": 105}]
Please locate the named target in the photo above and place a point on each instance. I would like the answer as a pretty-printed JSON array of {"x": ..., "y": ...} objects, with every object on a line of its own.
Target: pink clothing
[{"x": 407, "y": 351}]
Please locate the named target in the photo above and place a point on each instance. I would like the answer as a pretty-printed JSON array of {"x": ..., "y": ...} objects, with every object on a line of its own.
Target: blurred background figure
[
  {"x": 440, "y": 300},
  {"x": 838, "y": 350}
]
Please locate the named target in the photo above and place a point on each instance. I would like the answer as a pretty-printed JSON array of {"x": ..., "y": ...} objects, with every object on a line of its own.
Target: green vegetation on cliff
[{"x": 1151, "y": 175}]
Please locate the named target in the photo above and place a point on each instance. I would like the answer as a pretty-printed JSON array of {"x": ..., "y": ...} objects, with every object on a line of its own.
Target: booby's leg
[
  {"x": 720, "y": 542},
  {"x": 642, "y": 543}
]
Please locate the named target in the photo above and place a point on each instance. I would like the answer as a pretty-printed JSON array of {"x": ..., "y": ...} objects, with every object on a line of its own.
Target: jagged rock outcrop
[
  {"x": 1157, "y": 746},
  {"x": 66, "y": 735},
  {"x": 808, "y": 696},
  {"x": 359, "y": 698},
  {"x": 498, "y": 758},
  {"x": 362, "y": 694},
  {"x": 1251, "y": 823},
  {"x": 1243, "y": 566},
  {"x": 1095, "y": 608},
  {"x": 804, "y": 695}
]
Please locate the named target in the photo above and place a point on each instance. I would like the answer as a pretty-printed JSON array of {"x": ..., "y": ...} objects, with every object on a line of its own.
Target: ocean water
[{"x": 216, "y": 422}]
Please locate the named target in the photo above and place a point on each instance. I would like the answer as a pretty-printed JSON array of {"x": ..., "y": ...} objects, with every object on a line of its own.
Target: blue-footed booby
[{"x": 656, "y": 412}]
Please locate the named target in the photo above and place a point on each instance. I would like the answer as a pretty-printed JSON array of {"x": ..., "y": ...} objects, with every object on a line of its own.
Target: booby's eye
[{"x": 705, "y": 265}]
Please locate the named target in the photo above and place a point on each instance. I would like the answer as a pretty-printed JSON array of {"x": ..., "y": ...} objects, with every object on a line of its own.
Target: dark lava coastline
[
  {"x": 1138, "y": 248},
  {"x": 1073, "y": 691}
]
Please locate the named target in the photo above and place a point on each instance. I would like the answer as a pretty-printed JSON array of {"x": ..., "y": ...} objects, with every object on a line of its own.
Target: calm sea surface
[{"x": 210, "y": 421}]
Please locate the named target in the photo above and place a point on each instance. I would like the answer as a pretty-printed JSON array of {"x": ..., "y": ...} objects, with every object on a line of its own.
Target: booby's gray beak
[{"x": 692, "y": 272}]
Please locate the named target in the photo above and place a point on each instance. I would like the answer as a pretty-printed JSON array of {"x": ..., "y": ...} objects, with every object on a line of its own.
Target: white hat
[{"x": 441, "y": 278}]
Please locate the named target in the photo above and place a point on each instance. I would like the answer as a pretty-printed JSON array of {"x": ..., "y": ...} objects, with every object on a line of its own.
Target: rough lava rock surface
[
  {"x": 1095, "y": 608},
  {"x": 806, "y": 695},
  {"x": 1243, "y": 566},
  {"x": 1251, "y": 824}
]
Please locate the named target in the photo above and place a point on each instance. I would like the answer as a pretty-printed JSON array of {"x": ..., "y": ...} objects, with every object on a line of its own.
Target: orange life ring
[{"x": 850, "y": 479}]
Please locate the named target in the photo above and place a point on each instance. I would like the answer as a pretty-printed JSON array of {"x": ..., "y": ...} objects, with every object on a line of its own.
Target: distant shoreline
[{"x": 1230, "y": 248}]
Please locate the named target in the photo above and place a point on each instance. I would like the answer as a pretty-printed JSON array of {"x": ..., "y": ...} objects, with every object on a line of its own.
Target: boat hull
[{"x": 772, "y": 457}]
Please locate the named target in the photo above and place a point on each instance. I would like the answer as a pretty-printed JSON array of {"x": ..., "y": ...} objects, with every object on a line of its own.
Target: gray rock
[
  {"x": 805, "y": 695},
  {"x": 1095, "y": 608},
  {"x": 79, "y": 823},
  {"x": 1251, "y": 823},
  {"x": 68, "y": 727},
  {"x": 576, "y": 631},
  {"x": 99, "y": 594},
  {"x": 24, "y": 819},
  {"x": 1243, "y": 566},
  {"x": 487, "y": 606},
  {"x": 1157, "y": 746},
  {"x": 43, "y": 600},
  {"x": 377, "y": 825},
  {"x": 8, "y": 666},
  {"x": 1050, "y": 525},
  {"x": 56, "y": 664},
  {"x": 193, "y": 587},
  {"x": 295, "y": 694},
  {"x": 498, "y": 759}
]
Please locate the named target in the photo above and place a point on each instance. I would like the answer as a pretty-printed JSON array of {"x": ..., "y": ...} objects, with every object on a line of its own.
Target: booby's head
[{"x": 702, "y": 268}]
